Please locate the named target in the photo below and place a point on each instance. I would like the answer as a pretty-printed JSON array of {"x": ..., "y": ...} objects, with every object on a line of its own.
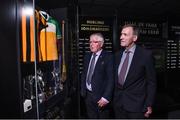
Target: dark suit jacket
[
  {"x": 138, "y": 91},
  {"x": 102, "y": 82}
]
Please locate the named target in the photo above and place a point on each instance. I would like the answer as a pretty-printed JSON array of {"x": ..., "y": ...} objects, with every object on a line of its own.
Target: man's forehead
[
  {"x": 95, "y": 37},
  {"x": 127, "y": 29}
]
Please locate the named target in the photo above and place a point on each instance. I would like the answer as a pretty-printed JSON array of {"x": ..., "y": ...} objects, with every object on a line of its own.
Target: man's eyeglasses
[{"x": 94, "y": 41}]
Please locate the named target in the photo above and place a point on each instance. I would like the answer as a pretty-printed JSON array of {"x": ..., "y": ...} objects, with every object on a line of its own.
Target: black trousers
[
  {"x": 93, "y": 111},
  {"x": 120, "y": 113}
]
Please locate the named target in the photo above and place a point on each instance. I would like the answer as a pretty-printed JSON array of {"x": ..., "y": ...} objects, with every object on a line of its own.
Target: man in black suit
[
  {"x": 97, "y": 82},
  {"x": 135, "y": 83}
]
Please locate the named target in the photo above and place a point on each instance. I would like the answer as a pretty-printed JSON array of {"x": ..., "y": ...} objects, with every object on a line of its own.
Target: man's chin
[
  {"x": 122, "y": 45},
  {"x": 93, "y": 51}
]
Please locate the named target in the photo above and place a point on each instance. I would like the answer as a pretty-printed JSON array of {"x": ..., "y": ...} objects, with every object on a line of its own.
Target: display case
[
  {"x": 45, "y": 58},
  {"x": 37, "y": 72}
]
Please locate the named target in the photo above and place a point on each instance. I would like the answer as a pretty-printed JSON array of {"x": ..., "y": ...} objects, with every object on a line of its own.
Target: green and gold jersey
[{"x": 45, "y": 34}]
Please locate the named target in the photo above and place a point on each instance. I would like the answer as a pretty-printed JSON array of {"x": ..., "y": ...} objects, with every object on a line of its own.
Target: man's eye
[{"x": 93, "y": 41}]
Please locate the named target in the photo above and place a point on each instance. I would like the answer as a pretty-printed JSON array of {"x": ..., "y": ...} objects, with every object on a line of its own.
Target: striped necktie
[
  {"x": 122, "y": 73},
  {"x": 91, "y": 69}
]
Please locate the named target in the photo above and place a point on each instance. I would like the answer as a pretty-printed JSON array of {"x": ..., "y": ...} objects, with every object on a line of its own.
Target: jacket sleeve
[
  {"x": 109, "y": 78},
  {"x": 83, "y": 78},
  {"x": 151, "y": 80}
]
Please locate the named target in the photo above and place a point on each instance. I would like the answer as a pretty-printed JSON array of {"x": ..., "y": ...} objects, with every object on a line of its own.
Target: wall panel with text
[
  {"x": 173, "y": 58},
  {"x": 173, "y": 46}
]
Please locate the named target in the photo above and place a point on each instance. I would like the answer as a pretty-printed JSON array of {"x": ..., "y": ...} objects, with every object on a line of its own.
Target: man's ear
[
  {"x": 135, "y": 38},
  {"x": 101, "y": 45}
]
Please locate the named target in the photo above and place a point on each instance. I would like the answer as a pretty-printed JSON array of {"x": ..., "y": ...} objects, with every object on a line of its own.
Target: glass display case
[{"x": 44, "y": 48}]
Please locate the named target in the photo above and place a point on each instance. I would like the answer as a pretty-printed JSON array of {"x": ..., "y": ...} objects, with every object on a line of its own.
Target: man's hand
[
  {"x": 148, "y": 112},
  {"x": 102, "y": 102}
]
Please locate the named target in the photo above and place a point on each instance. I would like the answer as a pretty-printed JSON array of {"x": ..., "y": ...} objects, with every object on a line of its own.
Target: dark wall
[{"x": 9, "y": 68}]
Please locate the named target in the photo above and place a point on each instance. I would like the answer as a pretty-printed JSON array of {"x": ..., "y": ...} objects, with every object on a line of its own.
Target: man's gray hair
[
  {"x": 98, "y": 34},
  {"x": 135, "y": 29}
]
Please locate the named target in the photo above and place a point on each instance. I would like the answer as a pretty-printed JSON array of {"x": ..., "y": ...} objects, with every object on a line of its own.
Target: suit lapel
[
  {"x": 87, "y": 60},
  {"x": 117, "y": 62},
  {"x": 118, "y": 59},
  {"x": 99, "y": 61}
]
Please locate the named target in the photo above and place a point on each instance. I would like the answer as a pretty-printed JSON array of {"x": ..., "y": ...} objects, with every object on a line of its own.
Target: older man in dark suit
[
  {"x": 135, "y": 79},
  {"x": 97, "y": 79}
]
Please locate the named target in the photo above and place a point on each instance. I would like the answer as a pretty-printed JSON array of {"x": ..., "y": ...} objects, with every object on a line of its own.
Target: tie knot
[
  {"x": 127, "y": 51},
  {"x": 94, "y": 54}
]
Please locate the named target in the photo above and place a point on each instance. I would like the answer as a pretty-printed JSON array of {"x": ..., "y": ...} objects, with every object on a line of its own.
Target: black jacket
[
  {"x": 102, "y": 80},
  {"x": 139, "y": 89}
]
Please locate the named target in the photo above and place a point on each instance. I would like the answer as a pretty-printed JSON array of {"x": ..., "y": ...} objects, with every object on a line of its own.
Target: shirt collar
[
  {"x": 132, "y": 49},
  {"x": 99, "y": 52}
]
